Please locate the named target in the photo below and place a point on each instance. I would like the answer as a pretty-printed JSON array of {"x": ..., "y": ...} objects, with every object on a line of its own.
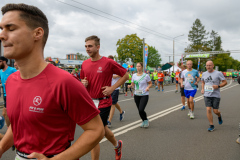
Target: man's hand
[
  {"x": 147, "y": 89},
  {"x": 215, "y": 86},
  {"x": 196, "y": 83},
  {"x": 129, "y": 86},
  {"x": 85, "y": 82},
  {"x": 107, "y": 90},
  {"x": 202, "y": 91},
  {"x": 38, "y": 156},
  {"x": 182, "y": 85}
]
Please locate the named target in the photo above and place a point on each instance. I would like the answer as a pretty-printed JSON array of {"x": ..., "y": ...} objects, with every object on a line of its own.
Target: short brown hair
[
  {"x": 95, "y": 38},
  {"x": 31, "y": 15},
  {"x": 111, "y": 57},
  {"x": 140, "y": 63}
]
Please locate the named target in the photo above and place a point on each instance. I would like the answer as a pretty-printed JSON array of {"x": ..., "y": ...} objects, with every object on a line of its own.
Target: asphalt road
[{"x": 171, "y": 134}]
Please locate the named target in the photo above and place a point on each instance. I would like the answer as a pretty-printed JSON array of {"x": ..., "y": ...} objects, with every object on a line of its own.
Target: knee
[
  {"x": 209, "y": 110},
  {"x": 215, "y": 111}
]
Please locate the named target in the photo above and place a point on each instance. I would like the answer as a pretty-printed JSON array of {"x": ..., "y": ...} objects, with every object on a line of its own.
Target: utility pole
[{"x": 173, "y": 51}]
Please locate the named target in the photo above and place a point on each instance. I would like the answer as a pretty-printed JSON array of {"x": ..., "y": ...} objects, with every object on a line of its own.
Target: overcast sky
[{"x": 69, "y": 26}]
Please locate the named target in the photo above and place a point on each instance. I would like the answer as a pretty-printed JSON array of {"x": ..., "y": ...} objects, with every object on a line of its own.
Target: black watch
[{"x": 218, "y": 86}]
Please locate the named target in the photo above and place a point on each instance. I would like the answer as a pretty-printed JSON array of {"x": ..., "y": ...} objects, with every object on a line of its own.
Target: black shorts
[
  {"x": 104, "y": 113},
  {"x": 4, "y": 101},
  {"x": 182, "y": 91},
  {"x": 176, "y": 82},
  {"x": 212, "y": 102},
  {"x": 115, "y": 96},
  {"x": 160, "y": 82}
]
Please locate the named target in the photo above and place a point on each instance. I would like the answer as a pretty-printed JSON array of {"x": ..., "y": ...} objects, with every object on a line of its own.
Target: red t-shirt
[
  {"x": 160, "y": 77},
  {"x": 99, "y": 74},
  {"x": 44, "y": 110},
  {"x": 177, "y": 75}
]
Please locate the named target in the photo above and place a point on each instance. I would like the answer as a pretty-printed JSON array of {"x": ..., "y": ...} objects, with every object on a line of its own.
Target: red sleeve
[
  {"x": 76, "y": 101},
  {"x": 117, "y": 68}
]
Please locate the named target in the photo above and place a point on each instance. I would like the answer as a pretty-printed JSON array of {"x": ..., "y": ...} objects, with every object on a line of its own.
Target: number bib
[
  {"x": 139, "y": 92},
  {"x": 190, "y": 79},
  {"x": 208, "y": 88},
  {"x": 96, "y": 102}
]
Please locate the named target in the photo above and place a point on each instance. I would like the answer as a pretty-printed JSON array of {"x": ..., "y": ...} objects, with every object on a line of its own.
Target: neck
[
  {"x": 211, "y": 71},
  {"x": 96, "y": 57},
  {"x": 189, "y": 69},
  {"x": 5, "y": 68},
  {"x": 140, "y": 72},
  {"x": 31, "y": 65}
]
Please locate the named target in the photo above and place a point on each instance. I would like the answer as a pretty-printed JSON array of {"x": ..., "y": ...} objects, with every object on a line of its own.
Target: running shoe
[
  {"x": 163, "y": 90},
  {"x": 220, "y": 121},
  {"x": 146, "y": 124},
  {"x": 238, "y": 140},
  {"x": 192, "y": 115},
  {"x": 2, "y": 122},
  {"x": 118, "y": 151},
  {"x": 183, "y": 108},
  {"x": 156, "y": 87},
  {"x": 122, "y": 115},
  {"x": 158, "y": 90},
  {"x": 189, "y": 112},
  {"x": 211, "y": 128},
  {"x": 126, "y": 95},
  {"x": 176, "y": 91},
  {"x": 109, "y": 124},
  {"x": 131, "y": 94},
  {"x": 142, "y": 125}
]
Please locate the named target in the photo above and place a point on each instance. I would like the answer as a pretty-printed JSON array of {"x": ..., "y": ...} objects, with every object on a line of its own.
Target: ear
[
  {"x": 38, "y": 34},
  {"x": 98, "y": 47}
]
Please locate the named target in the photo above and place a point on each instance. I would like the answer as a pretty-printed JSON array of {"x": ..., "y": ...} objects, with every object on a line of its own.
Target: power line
[
  {"x": 120, "y": 18},
  {"x": 113, "y": 20}
]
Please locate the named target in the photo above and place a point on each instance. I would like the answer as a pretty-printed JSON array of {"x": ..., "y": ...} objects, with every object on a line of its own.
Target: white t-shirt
[
  {"x": 141, "y": 83},
  {"x": 114, "y": 80}
]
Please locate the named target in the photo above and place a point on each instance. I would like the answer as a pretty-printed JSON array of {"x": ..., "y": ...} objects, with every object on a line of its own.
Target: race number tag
[
  {"x": 139, "y": 92},
  {"x": 177, "y": 76},
  {"x": 160, "y": 77},
  {"x": 208, "y": 88},
  {"x": 183, "y": 83},
  {"x": 190, "y": 79},
  {"x": 96, "y": 102}
]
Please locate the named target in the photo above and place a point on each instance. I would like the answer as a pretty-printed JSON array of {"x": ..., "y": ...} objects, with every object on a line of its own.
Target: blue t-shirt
[
  {"x": 190, "y": 79},
  {"x": 4, "y": 75}
]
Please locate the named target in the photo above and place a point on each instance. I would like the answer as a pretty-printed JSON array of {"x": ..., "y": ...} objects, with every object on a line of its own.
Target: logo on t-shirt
[
  {"x": 209, "y": 79},
  {"x": 37, "y": 100},
  {"x": 99, "y": 70}
]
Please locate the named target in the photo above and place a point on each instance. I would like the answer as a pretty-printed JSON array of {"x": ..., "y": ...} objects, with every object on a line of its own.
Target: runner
[
  {"x": 172, "y": 76},
  {"x": 96, "y": 75},
  {"x": 190, "y": 88},
  {"x": 181, "y": 81},
  {"x": 128, "y": 82},
  {"x": 114, "y": 95},
  {"x": 155, "y": 78},
  {"x": 234, "y": 76},
  {"x": 211, "y": 82},
  {"x": 142, "y": 85},
  {"x": 44, "y": 103},
  {"x": 177, "y": 77},
  {"x": 228, "y": 74},
  {"x": 160, "y": 80},
  {"x": 5, "y": 72}
]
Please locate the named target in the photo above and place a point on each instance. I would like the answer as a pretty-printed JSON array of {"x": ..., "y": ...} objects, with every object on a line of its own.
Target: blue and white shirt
[{"x": 190, "y": 79}]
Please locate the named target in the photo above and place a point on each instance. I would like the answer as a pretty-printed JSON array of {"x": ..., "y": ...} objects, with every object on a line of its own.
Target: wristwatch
[{"x": 218, "y": 86}]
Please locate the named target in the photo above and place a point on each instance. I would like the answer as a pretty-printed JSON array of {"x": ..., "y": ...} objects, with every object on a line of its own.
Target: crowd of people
[{"x": 48, "y": 102}]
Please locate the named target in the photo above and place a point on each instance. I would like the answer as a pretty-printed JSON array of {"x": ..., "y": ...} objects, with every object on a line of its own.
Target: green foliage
[
  {"x": 154, "y": 58},
  {"x": 130, "y": 48},
  {"x": 81, "y": 56}
]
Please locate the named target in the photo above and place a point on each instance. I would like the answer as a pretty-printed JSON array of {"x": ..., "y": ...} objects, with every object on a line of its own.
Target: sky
[{"x": 71, "y": 21}]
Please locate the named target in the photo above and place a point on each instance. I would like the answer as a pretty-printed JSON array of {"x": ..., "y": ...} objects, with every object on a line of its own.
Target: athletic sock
[{"x": 117, "y": 145}]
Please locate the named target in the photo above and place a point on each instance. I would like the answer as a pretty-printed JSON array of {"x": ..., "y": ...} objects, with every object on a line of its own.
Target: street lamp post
[{"x": 173, "y": 50}]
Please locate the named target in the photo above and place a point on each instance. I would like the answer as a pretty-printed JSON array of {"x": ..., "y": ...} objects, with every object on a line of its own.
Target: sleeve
[
  {"x": 148, "y": 78},
  {"x": 76, "y": 101},
  {"x": 221, "y": 76},
  {"x": 82, "y": 73},
  {"x": 117, "y": 68},
  {"x": 202, "y": 79}
]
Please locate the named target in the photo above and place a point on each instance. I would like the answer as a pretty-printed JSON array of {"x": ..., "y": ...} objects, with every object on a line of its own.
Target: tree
[
  {"x": 81, "y": 56},
  {"x": 197, "y": 37},
  {"x": 154, "y": 58},
  {"x": 130, "y": 48}
]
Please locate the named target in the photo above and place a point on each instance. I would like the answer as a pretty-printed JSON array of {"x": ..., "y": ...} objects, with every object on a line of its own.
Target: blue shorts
[
  {"x": 189, "y": 93},
  {"x": 176, "y": 82}
]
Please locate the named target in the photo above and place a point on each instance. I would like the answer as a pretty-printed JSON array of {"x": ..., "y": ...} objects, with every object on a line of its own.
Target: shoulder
[{"x": 86, "y": 61}]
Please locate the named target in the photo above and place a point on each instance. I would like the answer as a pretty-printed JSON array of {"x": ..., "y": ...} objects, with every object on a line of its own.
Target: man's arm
[
  {"x": 92, "y": 135},
  {"x": 224, "y": 83},
  {"x": 7, "y": 141},
  {"x": 203, "y": 83},
  {"x": 108, "y": 90}
]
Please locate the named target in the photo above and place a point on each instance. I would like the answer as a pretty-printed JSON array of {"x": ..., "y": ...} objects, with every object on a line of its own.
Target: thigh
[
  {"x": 137, "y": 100},
  {"x": 143, "y": 102},
  {"x": 216, "y": 103},
  {"x": 104, "y": 113},
  {"x": 208, "y": 101}
]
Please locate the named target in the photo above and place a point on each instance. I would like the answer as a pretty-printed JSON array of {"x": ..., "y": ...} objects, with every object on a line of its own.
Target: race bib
[
  {"x": 190, "y": 79},
  {"x": 177, "y": 76},
  {"x": 139, "y": 92},
  {"x": 208, "y": 88},
  {"x": 96, "y": 102},
  {"x": 160, "y": 77}
]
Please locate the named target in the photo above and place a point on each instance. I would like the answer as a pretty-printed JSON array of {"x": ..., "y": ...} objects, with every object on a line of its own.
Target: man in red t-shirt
[
  {"x": 44, "y": 102},
  {"x": 160, "y": 80},
  {"x": 96, "y": 75},
  {"x": 177, "y": 77}
]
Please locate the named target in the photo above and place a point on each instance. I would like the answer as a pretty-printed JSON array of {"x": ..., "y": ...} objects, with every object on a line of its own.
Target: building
[
  {"x": 71, "y": 56},
  {"x": 10, "y": 61}
]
